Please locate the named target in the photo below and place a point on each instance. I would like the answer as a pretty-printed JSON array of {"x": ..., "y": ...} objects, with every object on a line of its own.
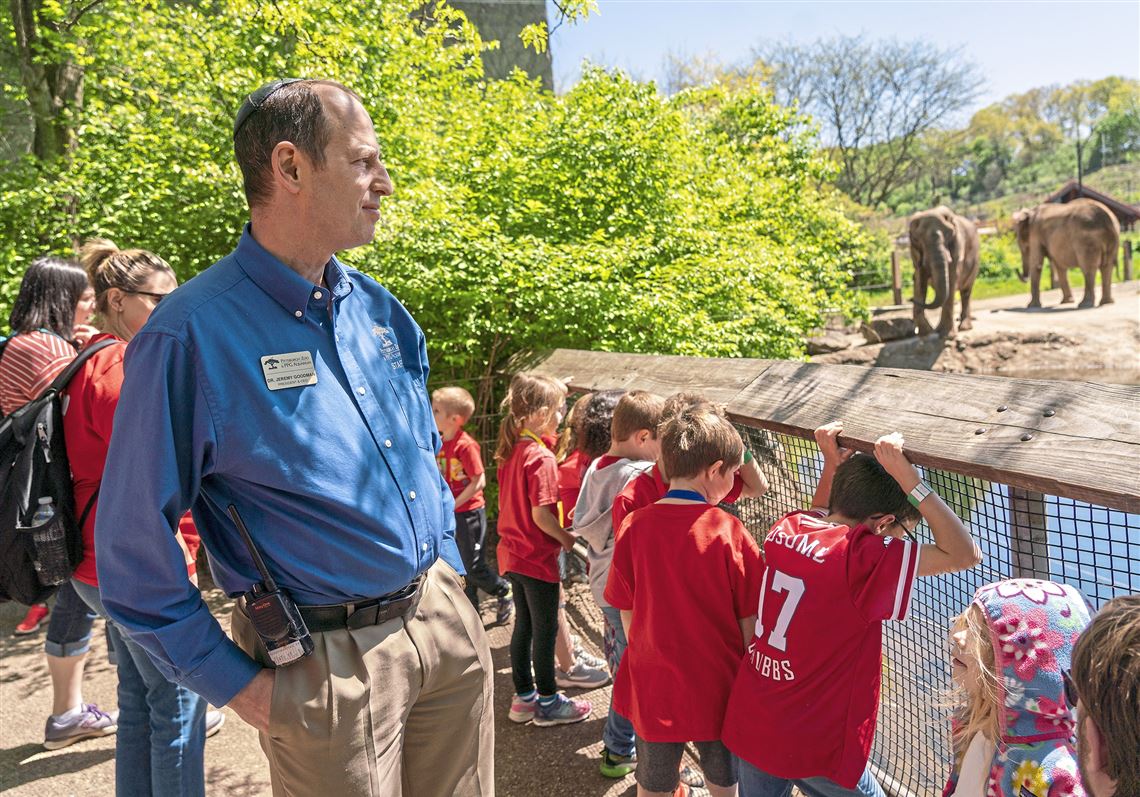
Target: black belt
[{"x": 362, "y": 613}]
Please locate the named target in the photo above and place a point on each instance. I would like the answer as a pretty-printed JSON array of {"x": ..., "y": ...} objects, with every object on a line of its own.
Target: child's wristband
[
  {"x": 748, "y": 457},
  {"x": 916, "y": 495}
]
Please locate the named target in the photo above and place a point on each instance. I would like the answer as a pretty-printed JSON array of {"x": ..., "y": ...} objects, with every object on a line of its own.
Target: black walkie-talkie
[{"x": 272, "y": 613}]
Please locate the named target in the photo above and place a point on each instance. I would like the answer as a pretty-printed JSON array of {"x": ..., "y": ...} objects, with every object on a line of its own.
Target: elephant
[
  {"x": 1080, "y": 234},
  {"x": 944, "y": 247}
]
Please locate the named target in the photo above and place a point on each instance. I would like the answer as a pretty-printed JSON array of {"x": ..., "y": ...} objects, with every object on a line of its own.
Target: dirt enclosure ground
[{"x": 1057, "y": 341}]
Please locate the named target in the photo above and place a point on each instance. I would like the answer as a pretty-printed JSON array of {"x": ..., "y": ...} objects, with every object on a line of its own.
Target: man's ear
[
  {"x": 286, "y": 163},
  {"x": 1096, "y": 757}
]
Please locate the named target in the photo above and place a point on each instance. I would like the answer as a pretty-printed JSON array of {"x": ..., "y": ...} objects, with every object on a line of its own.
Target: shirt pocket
[{"x": 414, "y": 403}]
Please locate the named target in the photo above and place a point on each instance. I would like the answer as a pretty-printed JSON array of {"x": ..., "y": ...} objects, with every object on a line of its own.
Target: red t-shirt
[
  {"x": 649, "y": 488},
  {"x": 89, "y": 410},
  {"x": 817, "y": 652},
  {"x": 570, "y": 474},
  {"x": 688, "y": 572},
  {"x": 28, "y": 365},
  {"x": 528, "y": 478},
  {"x": 460, "y": 460}
]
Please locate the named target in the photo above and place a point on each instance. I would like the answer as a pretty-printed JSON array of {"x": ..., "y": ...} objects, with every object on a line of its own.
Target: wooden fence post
[
  {"x": 896, "y": 277},
  {"x": 1028, "y": 539},
  {"x": 1127, "y": 261}
]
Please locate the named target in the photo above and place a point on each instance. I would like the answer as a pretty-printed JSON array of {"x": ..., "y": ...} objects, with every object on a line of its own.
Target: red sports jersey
[
  {"x": 689, "y": 572},
  {"x": 460, "y": 460},
  {"x": 570, "y": 474},
  {"x": 527, "y": 479},
  {"x": 807, "y": 695},
  {"x": 649, "y": 488}
]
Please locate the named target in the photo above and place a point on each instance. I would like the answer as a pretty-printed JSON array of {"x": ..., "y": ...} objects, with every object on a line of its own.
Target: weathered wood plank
[{"x": 1083, "y": 439}]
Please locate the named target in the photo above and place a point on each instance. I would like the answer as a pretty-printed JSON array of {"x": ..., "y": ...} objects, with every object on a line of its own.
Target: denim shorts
[{"x": 69, "y": 624}]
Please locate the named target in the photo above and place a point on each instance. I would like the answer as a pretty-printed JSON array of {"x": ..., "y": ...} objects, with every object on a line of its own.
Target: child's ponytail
[{"x": 528, "y": 394}]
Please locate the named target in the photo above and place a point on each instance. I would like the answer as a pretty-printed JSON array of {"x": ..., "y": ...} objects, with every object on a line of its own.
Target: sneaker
[
  {"x": 590, "y": 660},
  {"x": 522, "y": 710},
  {"x": 580, "y": 676},
  {"x": 617, "y": 766},
  {"x": 214, "y": 722},
  {"x": 86, "y": 724},
  {"x": 506, "y": 608},
  {"x": 33, "y": 619},
  {"x": 562, "y": 711}
]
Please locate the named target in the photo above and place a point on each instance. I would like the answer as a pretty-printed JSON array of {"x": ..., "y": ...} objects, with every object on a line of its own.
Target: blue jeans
[
  {"x": 757, "y": 783},
  {"x": 69, "y": 624},
  {"x": 162, "y": 726},
  {"x": 618, "y": 732}
]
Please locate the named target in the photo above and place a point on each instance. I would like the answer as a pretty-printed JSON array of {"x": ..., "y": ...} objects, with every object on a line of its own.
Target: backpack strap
[
  {"x": 65, "y": 376},
  {"x": 90, "y": 505}
]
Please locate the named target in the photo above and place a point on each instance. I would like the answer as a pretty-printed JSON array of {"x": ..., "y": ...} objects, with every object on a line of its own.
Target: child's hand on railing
[
  {"x": 889, "y": 452},
  {"x": 826, "y": 437}
]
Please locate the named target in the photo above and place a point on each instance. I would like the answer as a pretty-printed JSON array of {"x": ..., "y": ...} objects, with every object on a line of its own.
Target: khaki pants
[{"x": 402, "y": 708}]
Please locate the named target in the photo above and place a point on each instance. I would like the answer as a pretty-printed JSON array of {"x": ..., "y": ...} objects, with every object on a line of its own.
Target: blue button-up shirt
[{"x": 336, "y": 480}]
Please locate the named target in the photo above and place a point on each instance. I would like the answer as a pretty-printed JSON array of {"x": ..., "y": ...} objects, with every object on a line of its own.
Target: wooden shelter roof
[{"x": 1125, "y": 213}]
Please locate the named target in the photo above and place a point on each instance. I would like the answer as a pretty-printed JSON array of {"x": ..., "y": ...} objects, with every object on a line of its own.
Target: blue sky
[{"x": 1017, "y": 45}]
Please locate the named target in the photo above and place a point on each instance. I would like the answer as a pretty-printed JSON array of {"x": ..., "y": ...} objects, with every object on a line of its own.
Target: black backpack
[{"x": 34, "y": 561}]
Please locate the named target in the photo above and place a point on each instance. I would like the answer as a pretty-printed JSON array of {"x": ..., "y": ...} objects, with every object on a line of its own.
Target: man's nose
[{"x": 382, "y": 184}]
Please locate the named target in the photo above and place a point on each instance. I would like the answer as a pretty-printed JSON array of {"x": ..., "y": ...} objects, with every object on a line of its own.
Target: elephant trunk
[
  {"x": 1023, "y": 275},
  {"x": 939, "y": 268}
]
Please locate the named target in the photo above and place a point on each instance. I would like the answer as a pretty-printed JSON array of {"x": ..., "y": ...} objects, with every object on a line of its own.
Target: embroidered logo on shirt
[{"x": 388, "y": 346}]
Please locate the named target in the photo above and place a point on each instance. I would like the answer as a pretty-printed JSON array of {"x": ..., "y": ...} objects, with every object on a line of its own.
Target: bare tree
[{"x": 873, "y": 100}]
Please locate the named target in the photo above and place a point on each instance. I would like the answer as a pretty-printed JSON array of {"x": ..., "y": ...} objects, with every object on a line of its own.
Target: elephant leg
[
  {"x": 920, "y": 321},
  {"x": 1035, "y": 286},
  {"x": 1066, "y": 289},
  {"x": 1090, "y": 287},
  {"x": 966, "y": 321},
  {"x": 1106, "y": 271}
]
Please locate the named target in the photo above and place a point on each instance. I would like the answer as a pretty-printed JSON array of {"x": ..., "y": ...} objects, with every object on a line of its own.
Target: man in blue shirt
[{"x": 284, "y": 383}]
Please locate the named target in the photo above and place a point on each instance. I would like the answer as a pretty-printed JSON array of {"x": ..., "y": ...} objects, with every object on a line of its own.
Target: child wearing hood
[{"x": 1013, "y": 731}]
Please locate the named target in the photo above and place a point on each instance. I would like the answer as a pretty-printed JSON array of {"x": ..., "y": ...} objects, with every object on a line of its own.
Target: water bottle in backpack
[{"x": 49, "y": 539}]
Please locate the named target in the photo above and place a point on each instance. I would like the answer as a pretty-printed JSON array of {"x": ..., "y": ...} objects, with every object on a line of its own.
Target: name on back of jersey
[
  {"x": 799, "y": 543},
  {"x": 768, "y": 667}
]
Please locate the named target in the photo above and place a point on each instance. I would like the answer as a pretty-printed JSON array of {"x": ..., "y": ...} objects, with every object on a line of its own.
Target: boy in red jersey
[
  {"x": 806, "y": 698},
  {"x": 643, "y": 490},
  {"x": 461, "y": 462},
  {"x": 685, "y": 577}
]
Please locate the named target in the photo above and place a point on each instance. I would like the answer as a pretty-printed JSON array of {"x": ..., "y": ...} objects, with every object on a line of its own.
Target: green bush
[{"x": 999, "y": 257}]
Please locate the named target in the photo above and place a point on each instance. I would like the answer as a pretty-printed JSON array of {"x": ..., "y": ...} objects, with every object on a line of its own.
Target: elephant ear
[{"x": 1020, "y": 216}]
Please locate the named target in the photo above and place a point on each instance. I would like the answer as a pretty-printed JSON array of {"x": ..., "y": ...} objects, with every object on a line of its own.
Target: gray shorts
[{"x": 659, "y": 763}]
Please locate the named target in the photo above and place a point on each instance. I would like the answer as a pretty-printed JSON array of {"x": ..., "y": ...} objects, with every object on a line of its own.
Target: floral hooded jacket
[{"x": 1033, "y": 626}]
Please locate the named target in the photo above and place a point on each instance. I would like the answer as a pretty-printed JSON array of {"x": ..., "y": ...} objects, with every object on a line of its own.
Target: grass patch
[{"x": 986, "y": 289}]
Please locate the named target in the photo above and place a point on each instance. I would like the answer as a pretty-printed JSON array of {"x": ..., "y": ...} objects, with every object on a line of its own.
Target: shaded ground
[
  {"x": 1055, "y": 341},
  {"x": 548, "y": 761}
]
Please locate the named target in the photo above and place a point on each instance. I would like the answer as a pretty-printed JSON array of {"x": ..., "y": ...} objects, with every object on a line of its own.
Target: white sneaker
[
  {"x": 581, "y": 676},
  {"x": 589, "y": 660},
  {"x": 214, "y": 722}
]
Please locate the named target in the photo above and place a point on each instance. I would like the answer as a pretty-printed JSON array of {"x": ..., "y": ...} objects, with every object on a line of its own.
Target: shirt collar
[{"x": 288, "y": 288}]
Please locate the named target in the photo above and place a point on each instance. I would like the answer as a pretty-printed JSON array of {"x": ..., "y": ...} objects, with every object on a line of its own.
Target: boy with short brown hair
[
  {"x": 686, "y": 578},
  {"x": 460, "y": 461}
]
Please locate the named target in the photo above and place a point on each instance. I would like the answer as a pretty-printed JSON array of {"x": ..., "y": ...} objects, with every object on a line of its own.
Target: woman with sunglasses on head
[
  {"x": 162, "y": 726},
  {"x": 48, "y": 319}
]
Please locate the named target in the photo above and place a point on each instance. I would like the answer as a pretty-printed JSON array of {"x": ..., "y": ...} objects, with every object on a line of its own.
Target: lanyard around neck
[
  {"x": 688, "y": 495},
  {"x": 529, "y": 434}
]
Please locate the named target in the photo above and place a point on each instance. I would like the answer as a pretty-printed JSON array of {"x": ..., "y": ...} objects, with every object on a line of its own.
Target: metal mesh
[{"x": 1021, "y": 534}]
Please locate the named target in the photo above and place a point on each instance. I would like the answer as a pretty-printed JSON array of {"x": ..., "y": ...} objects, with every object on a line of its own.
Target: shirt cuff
[{"x": 223, "y": 674}]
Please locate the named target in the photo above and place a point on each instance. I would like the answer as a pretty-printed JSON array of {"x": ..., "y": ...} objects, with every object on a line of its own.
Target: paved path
[{"x": 529, "y": 761}]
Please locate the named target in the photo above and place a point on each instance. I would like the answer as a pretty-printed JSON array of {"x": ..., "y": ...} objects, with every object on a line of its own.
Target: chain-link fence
[{"x": 1096, "y": 549}]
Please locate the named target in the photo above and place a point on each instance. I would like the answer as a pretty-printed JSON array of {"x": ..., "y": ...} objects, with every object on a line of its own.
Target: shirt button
[
  {"x": 317, "y": 294},
  {"x": 412, "y": 494},
  {"x": 298, "y": 313},
  {"x": 424, "y": 547},
  {"x": 387, "y": 444},
  {"x": 361, "y": 391}
]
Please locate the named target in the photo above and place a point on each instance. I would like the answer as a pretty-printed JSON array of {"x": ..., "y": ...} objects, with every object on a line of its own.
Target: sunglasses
[
  {"x": 156, "y": 296},
  {"x": 1071, "y": 695},
  {"x": 258, "y": 98}
]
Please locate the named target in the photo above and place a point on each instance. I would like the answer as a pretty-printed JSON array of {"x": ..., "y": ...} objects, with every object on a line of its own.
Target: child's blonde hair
[
  {"x": 978, "y": 711},
  {"x": 528, "y": 394},
  {"x": 694, "y": 439},
  {"x": 455, "y": 401},
  {"x": 568, "y": 438}
]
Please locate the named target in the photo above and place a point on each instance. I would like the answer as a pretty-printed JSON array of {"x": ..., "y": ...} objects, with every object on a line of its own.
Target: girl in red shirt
[{"x": 530, "y": 537}]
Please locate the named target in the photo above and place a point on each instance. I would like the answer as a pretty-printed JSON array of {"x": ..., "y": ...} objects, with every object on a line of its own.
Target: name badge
[{"x": 294, "y": 369}]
